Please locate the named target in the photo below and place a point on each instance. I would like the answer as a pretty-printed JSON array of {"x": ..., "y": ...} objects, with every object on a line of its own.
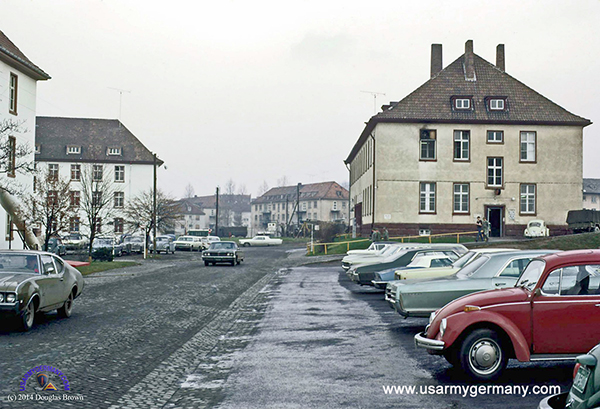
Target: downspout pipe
[
  {"x": 13, "y": 208},
  {"x": 374, "y": 185}
]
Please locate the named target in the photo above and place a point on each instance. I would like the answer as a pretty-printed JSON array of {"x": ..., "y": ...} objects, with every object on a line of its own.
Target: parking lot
[{"x": 277, "y": 331}]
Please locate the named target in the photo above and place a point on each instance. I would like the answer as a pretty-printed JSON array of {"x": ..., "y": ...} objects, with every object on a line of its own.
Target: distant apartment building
[
  {"x": 591, "y": 194},
  {"x": 326, "y": 201},
  {"x": 234, "y": 210},
  {"x": 18, "y": 89},
  {"x": 66, "y": 147},
  {"x": 192, "y": 218}
]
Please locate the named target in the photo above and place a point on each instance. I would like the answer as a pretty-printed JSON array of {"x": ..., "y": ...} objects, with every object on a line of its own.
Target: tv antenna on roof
[
  {"x": 121, "y": 91},
  {"x": 374, "y": 99}
]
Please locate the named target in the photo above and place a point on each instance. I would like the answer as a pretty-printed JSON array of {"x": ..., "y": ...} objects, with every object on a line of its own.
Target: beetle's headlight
[
  {"x": 11, "y": 297},
  {"x": 443, "y": 325}
]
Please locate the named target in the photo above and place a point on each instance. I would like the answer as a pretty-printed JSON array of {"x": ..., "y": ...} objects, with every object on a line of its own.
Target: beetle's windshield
[
  {"x": 534, "y": 224},
  {"x": 19, "y": 263},
  {"x": 531, "y": 274}
]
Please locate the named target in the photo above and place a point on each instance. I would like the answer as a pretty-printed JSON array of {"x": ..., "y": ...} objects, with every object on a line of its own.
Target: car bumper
[
  {"x": 422, "y": 341},
  {"x": 218, "y": 258},
  {"x": 9, "y": 309},
  {"x": 558, "y": 401},
  {"x": 379, "y": 284},
  {"x": 183, "y": 247}
]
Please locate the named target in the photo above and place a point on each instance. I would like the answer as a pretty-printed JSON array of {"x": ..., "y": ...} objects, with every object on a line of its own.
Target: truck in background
[{"x": 583, "y": 220}]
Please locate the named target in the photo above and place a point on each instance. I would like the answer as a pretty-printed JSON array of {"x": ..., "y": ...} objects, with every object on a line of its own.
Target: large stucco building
[
  {"x": 18, "y": 90},
  {"x": 68, "y": 147},
  {"x": 471, "y": 141}
]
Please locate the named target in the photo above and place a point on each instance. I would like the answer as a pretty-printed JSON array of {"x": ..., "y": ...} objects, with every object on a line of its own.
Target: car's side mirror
[
  {"x": 537, "y": 292},
  {"x": 50, "y": 270}
]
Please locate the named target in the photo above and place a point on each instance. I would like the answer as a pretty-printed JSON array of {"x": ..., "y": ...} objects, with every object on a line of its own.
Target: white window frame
[
  {"x": 460, "y": 198},
  {"x": 13, "y": 90},
  {"x": 73, "y": 150},
  {"x": 497, "y": 172},
  {"x": 53, "y": 170},
  {"x": 497, "y": 104},
  {"x": 76, "y": 171},
  {"x": 119, "y": 200},
  {"x": 114, "y": 151},
  {"x": 427, "y": 197},
  {"x": 119, "y": 173},
  {"x": 97, "y": 172},
  {"x": 463, "y": 140},
  {"x": 495, "y": 134},
  {"x": 462, "y": 103},
  {"x": 527, "y": 144},
  {"x": 527, "y": 198}
]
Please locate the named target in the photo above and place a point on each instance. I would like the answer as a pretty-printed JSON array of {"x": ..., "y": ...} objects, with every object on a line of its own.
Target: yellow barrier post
[{"x": 325, "y": 248}]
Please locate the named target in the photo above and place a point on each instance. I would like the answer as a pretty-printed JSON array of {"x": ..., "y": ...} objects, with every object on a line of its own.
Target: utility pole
[
  {"x": 287, "y": 219},
  {"x": 217, "y": 216},
  {"x": 154, "y": 208},
  {"x": 374, "y": 99},
  {"x": 298, "y": 203}
]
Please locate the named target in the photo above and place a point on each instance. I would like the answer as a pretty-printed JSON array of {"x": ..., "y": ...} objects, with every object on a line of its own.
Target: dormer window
[
  {"x": 462, "y": 103},
  {"x": 73, "y": 150},
  {"x": 497, "y": 104},
  {"x": 113, "y": 151}
]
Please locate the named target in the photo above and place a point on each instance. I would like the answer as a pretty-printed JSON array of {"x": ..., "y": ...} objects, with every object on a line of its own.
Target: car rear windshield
[
  {"x": 535, "y": 224},
  {"x": 471, "y": 268}
]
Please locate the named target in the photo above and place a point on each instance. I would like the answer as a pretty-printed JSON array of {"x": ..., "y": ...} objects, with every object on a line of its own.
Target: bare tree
[
  {"x": 263, "y": 188},
  {"x": 242, "y": 190},
  {"x": 282, "y": 181},
  {"x": 139, "y": 212},
  {"x": 230, "y": 187},
  {"x": 50, "y": 204},
  {"x": 189, "y": 191},
  {"x": 14, "y": 158},
  {"x": 97, "y": 198}
]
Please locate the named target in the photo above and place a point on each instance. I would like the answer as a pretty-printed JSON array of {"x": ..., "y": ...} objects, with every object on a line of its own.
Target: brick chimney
[
  {"x": 436, "y": 59},
  {"x": 469, "y": 61},
  {"x": 500, "y": 57}
]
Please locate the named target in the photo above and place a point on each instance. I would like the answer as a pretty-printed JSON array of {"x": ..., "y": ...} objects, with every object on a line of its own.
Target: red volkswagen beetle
[{"x": 552, "y": 313}]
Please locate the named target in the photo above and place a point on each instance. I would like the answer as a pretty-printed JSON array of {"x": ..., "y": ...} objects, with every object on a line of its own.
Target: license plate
[{"x": 583, "y": 374}]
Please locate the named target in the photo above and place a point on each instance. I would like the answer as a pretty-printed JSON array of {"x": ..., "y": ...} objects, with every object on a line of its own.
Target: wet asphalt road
[{"x": 270, "y": 333}]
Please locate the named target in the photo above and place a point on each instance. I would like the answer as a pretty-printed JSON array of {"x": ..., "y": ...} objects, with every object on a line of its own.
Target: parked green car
[
  {"x": 488, "y": 271},
  {"x": 33, "y": 282},
  {"x": 585, "y": 392}
]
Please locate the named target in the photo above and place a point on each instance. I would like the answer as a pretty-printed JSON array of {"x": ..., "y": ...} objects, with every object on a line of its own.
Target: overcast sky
[{"x": 257, "y": 90}]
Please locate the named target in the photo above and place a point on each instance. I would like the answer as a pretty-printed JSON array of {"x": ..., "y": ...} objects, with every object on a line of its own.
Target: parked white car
[
  {"x": 260, "y": 241},
  {"x": 207, "y": 240},
  {"x": 537, "y": 228},
  {"x": 190, "y": 243}
]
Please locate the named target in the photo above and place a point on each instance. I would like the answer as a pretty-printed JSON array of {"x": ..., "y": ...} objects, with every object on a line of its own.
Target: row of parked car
[{"x": 487, "y": 306}]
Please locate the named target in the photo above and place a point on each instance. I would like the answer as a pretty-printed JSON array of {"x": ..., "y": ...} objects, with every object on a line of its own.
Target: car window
[
  {"x": 48, "y": 264},
  {"x": 60, "y": 266},
  {"x": 471, "y": 268},
  {"x": 573, "y": 280},
  {"x": 515, "y": 268},
  {"x": 441, "y": 262}
]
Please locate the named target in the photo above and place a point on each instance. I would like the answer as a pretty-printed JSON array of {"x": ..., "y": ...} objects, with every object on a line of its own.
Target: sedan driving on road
[
  {"x": 260, "y": 241},
  {"x": 223, "y": 252}
]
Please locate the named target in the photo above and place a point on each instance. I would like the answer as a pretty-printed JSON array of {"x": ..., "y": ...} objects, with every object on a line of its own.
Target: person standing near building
[
  {"x": 485, "y": 225},
  {"x": 479, "y": 225},
  {"x": 386, "y": 234}
]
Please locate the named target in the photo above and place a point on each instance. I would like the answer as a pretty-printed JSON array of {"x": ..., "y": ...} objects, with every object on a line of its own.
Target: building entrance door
[{"x": 495, "y": 215}]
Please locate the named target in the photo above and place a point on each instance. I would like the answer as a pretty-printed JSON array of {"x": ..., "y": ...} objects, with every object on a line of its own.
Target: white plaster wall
[
  {"x": 26, "y": 109},
  {"x": 557, "y": 173}
]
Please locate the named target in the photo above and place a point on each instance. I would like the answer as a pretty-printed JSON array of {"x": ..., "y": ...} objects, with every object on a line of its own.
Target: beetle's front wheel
[{"x": 482, "y": 355}]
